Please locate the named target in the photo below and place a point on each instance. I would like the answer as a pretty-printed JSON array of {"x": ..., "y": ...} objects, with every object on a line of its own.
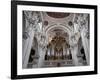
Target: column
[
  {"x": 52, "y": 52},
  {"x": 64, "y": 49},
  {"x": 73, "y": 42},
  {"x": 85, "y": 45},
  {"x": 30, "y": 28},
  {"x": 74, "y": 51},
  {"x": 27, "y": 49},
  {"x": 25, "y": 39},
  {"x": 42, "y": 53},
  {"x": 67, "y": 51},
  {"x": 41, "y": 49}
]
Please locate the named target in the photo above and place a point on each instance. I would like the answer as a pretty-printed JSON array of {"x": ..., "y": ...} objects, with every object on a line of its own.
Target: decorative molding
[{"x": 33, "y": 19}]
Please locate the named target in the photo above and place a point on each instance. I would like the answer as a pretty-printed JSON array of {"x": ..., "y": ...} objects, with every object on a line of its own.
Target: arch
[{"x": 58, "y": 26}]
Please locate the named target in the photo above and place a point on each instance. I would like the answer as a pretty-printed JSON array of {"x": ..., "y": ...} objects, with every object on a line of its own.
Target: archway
[{"x": 58, "y": 48}]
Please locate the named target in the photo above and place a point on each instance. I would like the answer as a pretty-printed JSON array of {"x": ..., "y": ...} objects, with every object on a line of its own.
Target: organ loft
[{"x": 55, "y": 39}]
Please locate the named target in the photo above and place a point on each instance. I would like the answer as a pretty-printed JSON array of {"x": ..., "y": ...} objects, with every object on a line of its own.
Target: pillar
[
  {"x": 64, "y": 49},
  {"x": 85, "y": 42},
  {"x": 42, "y": 53},
  {"x": 52, "y": 50},
  {"x": 32, "y": 21},
  {"x": 74, "y": 51},
  {"x": 27, "y": 48}
]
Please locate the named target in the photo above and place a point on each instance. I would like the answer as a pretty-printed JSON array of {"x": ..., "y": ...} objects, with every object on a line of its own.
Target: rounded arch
[{"x": 61, "y": 27}]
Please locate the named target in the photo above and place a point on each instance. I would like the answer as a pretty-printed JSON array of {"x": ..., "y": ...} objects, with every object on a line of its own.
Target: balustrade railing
[{"x": 57, "y": 63}]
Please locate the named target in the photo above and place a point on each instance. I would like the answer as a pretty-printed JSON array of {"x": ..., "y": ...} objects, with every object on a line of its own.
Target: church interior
[{"x": 55, "y": 39}]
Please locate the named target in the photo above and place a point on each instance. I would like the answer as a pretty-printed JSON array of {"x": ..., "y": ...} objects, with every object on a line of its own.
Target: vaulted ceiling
[
  {"x": 56, "y": 20},
  {"x": 58, "y": 14},
  {"x": 53, "y": 18}
]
